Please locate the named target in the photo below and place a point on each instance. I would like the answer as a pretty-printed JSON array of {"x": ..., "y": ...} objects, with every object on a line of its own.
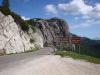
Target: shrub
[
  {"x": 24, "y": 26},
  {"x": 32, "y": 40},
  {"x": 78, "y": 56},
  {"x": 33, "y": 28},
  {"x": 17, "y": 18},
  {"x": 5, "y": 11}
]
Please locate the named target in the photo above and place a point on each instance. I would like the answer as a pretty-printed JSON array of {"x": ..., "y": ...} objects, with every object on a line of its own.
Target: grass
[{"x": 78, "y": 56}]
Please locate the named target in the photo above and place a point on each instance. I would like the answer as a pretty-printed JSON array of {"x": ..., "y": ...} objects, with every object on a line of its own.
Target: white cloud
[
  {"x": 96, "y": 11},
  {"x": 86, "y": 12},
  {"x": 79, "y": 7},
  {"x": 85, "y": 24},
  {"x": 24, "y": 18},
  {"x": 76, "y": 6},
  {"x": 51, "y": 9},
  {"x": 79, "y": 10},
  {"x": 97, "y": 7},
  {"x": 68, "y": 8}
]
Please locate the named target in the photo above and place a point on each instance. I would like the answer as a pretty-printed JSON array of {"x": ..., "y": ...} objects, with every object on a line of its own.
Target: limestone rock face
[
  {"x": 13, "y": 39},
  {"x": 52, "y": 28}
]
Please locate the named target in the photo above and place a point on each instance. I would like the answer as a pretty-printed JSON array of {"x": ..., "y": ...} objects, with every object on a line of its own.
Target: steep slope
[
  {"x": 88, "y": 46},
  {"x": 50, "y": 29},
  {"x": 13, "y": 39}
]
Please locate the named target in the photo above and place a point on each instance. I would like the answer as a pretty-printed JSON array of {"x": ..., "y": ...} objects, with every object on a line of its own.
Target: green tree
[
  {"x": 5, "y": 7},
  {"x": 5, "y": 3}
]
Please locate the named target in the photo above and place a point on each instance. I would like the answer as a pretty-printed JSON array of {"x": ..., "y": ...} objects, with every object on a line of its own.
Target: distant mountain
[
  {"x": 97, "y": 38},
  {"x": 89, "y": 46}
]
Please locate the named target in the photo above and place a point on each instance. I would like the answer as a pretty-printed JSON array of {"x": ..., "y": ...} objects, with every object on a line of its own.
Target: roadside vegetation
[
  {"x": 88, "y": 47},
  {"x": 87, "y": 52},
  {"x": 78, "y": 56},
  {"x": 23, "y": 24}
]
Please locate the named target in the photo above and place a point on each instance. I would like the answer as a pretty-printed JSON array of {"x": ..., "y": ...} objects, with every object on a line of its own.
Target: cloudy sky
[{"x": 82, "y": 16}]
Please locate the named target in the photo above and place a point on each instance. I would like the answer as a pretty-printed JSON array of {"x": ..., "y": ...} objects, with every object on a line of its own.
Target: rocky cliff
[
  {"x": 51, "y": 28},
  {"x": 14, "y": 40}
]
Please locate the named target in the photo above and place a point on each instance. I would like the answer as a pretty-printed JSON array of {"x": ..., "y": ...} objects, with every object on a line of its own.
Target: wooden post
[
  {"x": 74, "y": 47},
  {"x": 79, "y": 48}
]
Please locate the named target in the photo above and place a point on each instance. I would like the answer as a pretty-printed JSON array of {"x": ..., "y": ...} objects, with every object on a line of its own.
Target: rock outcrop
[
  {"x": 13, "y": 39},
  {"x": 52, "y": 28}
]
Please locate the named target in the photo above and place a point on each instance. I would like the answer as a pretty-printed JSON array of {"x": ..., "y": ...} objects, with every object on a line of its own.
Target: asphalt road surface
[
  {"x": 43, "y": 62},
  {"x": 15, "y": 59}
]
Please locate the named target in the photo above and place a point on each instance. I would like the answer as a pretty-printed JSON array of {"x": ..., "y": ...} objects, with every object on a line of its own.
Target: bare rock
[{"x": 13, "y": 39}]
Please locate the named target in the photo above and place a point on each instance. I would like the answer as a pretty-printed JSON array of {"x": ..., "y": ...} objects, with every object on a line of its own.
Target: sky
[{"x": 82, "y": 16}]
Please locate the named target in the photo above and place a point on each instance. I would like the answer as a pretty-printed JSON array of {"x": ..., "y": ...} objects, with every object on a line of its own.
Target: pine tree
[
  {"x": 5, "y": 7},
  {"x": 5, "y": 3}
]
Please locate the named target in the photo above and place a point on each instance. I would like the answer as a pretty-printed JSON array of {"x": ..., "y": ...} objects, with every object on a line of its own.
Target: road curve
[
  {"x": 16, "y": 59},
  {"x": 42, "y": 62}
]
